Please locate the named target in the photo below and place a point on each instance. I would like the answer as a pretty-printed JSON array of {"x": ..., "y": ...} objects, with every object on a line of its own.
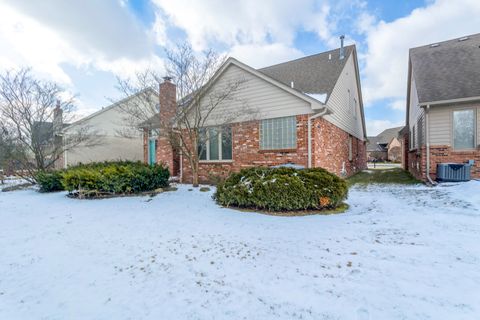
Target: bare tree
[
  {"x": 33, "y": 110},
  {"x": 200, "y": 103},
  {"x": 140, "y": 101}
]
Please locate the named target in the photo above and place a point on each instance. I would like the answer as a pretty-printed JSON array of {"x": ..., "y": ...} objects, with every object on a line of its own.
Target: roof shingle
[{"x": 447, "y": 70}]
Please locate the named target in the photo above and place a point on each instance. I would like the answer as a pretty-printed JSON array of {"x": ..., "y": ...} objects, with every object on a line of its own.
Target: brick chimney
[
  {"x": 168, "y": 101},
  {"x": 57, "y": 126},
  {"x": 57, "y": 119},
  {"x": 168, "y": 105}
]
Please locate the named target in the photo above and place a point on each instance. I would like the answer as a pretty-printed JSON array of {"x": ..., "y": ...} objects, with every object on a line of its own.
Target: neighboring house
[
  {"x": 386, "y": 146},
  {"x": 310, "y": 113},
  {"x": 443, "y": 106},
  {"x": 114, "y": 135}
]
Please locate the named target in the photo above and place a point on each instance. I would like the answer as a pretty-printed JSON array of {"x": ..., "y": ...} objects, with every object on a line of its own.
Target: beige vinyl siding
[
  {"x": 441, "y": 122},
  {"x": 257, "y": 97},
  {"x": 440, "y": 125},
  {"x": 108, "y": 125},
  {"x": 339, "y": 102},
  {"x": 416, "y": 117}
]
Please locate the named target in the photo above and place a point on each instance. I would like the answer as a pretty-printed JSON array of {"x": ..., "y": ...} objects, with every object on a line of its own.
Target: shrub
[
  {"x": 282, "y": 189},
  {"x": 121, "y": 177},
  {"x": 50, "y": 181}
]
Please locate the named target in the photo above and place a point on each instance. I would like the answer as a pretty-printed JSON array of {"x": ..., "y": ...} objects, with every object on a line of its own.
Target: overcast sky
[{"x": 85, "y": 44}]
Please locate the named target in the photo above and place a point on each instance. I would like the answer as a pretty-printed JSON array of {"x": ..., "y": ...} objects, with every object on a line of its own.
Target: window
[
  {"x": 350, "y": 148},
  {"x": 215, "y": 144},
  {"x": 419, "y": 142},
  {"x": 413, "y": 139},
  {"x": 355, "y": 108},
  {"x": 464, "y": 129},
  {"x": 278, "y": 133}
]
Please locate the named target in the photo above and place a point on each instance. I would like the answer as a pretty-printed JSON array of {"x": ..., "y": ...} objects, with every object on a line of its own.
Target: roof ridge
[
  {"x": 309, "y": 56},
  {"x": 439, "y": 43}
]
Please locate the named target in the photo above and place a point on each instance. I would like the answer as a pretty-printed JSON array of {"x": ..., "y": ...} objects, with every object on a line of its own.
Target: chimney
[
  {"x": 57, "y": 119},
  {"x": 342, "y": 49},
  {"x": 165, "y": 152},
  {"x": 168, "y": 101}
]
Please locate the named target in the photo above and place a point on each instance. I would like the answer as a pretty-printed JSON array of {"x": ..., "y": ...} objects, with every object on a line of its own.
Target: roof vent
[
  {"x": 329, "y": 56},
  {"x": 291, "y": 84},
  {"x": 434, "y": 45},
  {"x": 463, "y": 39},
  {"x": 342, "y": 49}
]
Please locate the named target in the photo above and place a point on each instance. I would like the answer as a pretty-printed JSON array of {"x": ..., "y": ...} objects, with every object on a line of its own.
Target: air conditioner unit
[{"x": 453, "y": 172}]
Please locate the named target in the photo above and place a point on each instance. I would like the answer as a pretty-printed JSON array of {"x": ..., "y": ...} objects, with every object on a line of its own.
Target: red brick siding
[
  {"x": 417, "y": 160},
  {"x": 331, "y": 149},
  {"x": 329, "y": 144}
]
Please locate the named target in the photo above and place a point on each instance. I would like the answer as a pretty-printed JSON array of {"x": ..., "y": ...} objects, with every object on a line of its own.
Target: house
[
  {"x": 115, "y": 137},
  {"x": 386, "y": 146},
  {"x": 309, "y": 114},
  {"x": 443, "y": 106}
]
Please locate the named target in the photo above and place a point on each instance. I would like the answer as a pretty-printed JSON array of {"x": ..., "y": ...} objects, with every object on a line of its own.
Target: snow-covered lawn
[{"x": 400, "y": 252}]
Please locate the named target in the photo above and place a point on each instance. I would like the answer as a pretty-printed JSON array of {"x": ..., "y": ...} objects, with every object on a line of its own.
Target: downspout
[
  {"x": 427, "y": 142},
  {"x": 309, "y": 124}
]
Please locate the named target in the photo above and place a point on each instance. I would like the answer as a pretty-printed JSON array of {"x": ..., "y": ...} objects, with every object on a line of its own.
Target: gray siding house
[{"x": 443, "y": 106}]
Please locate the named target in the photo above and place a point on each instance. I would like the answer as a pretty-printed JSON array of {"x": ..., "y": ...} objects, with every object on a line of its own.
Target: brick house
[
  {"x": 310, "y": 114},
  {"x": 443, "y": 106},
  {"x": 386, "y": 146}
]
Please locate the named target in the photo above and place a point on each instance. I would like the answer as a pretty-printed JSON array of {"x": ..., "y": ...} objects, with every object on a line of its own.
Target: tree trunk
[{"x": 195, "y": 174}]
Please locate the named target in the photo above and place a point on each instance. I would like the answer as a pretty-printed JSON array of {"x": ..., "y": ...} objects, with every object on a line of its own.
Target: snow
[
  {"x": 400, "y": 252},
  {"x": 322, "y": 97}
]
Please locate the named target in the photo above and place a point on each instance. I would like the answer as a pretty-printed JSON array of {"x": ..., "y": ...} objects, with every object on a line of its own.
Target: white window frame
[
  {"x": 268, "y": 123},
  {"x": 475, "y": 143},
  {"x": 220, "y": 151}
]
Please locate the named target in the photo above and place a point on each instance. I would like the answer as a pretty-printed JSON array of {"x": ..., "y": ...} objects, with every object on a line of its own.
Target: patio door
[{"x": 152, "y": 152}]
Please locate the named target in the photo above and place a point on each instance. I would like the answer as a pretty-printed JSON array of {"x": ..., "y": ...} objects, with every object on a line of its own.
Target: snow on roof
[{"x": 322, "y": 97}]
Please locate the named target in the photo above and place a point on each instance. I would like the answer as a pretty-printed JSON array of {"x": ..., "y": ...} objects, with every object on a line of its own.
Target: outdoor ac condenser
[{"x": 453, "y": 172}]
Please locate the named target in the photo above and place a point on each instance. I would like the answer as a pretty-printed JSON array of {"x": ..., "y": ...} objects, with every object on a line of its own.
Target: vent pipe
[
  {"x": 291, "y": 84},
  {"x": 342, "y": 49}
]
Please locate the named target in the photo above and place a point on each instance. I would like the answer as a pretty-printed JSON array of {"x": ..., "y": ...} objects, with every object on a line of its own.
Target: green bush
[
  {"x": 115, "y": 177},
  {"x": 50, "y": 181},
  {"x": 282, "y": 189}
]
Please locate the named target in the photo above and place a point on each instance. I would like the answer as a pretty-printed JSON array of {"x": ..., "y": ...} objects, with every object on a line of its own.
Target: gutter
[
  {"x": 427, "y": 141},
  {"x": 458, "y": 100},
  {"x": 309, "y": 121}
]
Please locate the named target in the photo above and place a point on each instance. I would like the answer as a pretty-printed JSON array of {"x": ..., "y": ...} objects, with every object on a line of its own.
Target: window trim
[
  {"x": 475, "y": 143},
  {"x": 286, "y": 149},
  {"x": 220, "y": 149}
]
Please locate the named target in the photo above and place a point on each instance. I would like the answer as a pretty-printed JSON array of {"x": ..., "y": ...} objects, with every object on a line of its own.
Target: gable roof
[
  {"x": 383, "y": 138},
  {"x": 113, "y": 105},
  {"x": 447, "y": 70},
  {"x": 315, "y": 74}
]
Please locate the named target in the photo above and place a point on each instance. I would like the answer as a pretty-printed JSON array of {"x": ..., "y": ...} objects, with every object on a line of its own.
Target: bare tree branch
[{"x": 32, "y": 110}]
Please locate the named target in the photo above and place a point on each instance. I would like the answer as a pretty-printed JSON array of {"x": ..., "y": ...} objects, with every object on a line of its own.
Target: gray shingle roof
[
  {"x": 447, "y": 70},
  {"x": 383, "y": 138},
  {"x": 316, "y": 74}
]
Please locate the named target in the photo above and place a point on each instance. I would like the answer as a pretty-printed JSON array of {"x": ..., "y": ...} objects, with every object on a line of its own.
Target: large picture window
[
  {"x": 215, "y": 144},
  {"x": 464, "y": 129},
  {"x": 278, "y": 133}
]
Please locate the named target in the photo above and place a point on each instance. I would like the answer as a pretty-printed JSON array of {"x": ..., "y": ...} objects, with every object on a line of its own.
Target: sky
[{"x": 86, "y": 45}]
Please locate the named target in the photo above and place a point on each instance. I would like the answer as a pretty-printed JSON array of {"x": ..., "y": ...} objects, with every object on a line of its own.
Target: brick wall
[
  {"x": 330, "y": 146},
  {"x": 417, "y": 160}
]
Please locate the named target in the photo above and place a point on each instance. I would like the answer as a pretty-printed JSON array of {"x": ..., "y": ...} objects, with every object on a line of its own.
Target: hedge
[
  {"x": 115, "y": 177},
  {"x": 282, "y": 189},
  {"x": 119, "y": 177},
  {"x": 50, "y": 181}
]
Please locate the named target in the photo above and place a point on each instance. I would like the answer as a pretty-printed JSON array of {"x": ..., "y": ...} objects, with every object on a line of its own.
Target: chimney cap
[
  {"x": 342, "y": 36},
  {"x": 167, "y": 78}
]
